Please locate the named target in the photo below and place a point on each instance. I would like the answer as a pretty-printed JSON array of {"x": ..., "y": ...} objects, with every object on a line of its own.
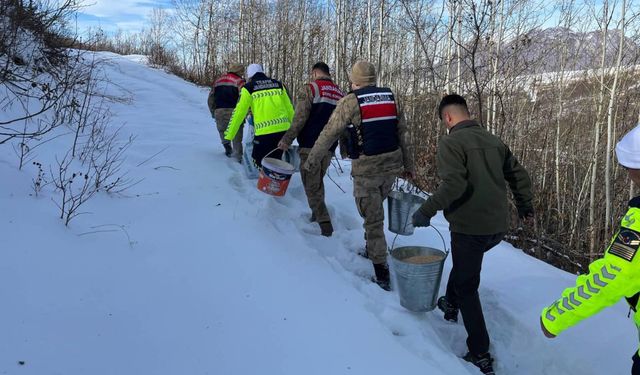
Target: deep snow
[{"x": 195, "y": 271}]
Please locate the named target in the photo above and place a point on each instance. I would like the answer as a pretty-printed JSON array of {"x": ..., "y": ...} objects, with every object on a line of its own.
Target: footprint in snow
[
  {"x": 237, "y": 183},
  {"x": 296, "y": 191},
  {"x": 349, "y": 222}
]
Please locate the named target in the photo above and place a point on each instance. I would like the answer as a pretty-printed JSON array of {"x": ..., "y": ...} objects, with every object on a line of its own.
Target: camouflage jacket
[{"x": 304, "y": 101}]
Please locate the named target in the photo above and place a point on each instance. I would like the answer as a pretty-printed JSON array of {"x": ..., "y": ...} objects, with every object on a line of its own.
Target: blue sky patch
[{"x": 111, "y": 16}]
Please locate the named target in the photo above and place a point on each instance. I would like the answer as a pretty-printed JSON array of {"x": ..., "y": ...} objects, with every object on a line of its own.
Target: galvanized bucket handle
[{"x": 444, "y": 243}]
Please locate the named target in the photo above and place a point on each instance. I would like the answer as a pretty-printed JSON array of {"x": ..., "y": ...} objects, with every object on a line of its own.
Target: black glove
[{"x": 420, "y": 220}]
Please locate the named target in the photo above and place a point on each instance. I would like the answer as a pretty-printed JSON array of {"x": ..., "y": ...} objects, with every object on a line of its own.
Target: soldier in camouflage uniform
[
  {"x": 222, "y": 100},
  {"x": 314, "y": 105},
  {"x": 378, "y": 148}
]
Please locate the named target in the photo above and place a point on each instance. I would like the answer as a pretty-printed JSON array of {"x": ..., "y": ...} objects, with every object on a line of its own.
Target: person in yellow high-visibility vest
[
  {"x": 271, "y": 109},
  {"x": 614, "y": 276}
]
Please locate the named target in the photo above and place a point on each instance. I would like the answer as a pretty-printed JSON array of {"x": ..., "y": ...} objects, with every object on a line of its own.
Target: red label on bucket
[{"x": 273, "y": 183}]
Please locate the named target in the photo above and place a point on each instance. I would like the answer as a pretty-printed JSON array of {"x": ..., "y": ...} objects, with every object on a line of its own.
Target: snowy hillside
[
  {"x": 195, "y": 271},
  {"x": 583, "y": 49}
]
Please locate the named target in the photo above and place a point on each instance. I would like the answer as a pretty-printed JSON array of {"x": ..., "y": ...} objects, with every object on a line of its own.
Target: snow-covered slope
[
  {"x": 540, "y": 48},
  {"x": 197, "y": 272}
]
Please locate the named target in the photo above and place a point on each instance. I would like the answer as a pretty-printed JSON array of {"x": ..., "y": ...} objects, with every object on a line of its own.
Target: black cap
[
  {"x": 321, "y": 67},
  {"x": 452, "y": 99}
]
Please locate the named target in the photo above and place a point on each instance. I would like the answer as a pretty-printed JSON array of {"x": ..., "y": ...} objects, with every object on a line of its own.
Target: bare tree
[{"x": 547, "y": 92}]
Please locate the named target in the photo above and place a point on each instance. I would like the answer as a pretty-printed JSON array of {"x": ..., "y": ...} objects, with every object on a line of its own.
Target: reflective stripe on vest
[
  {"x": 227, "y": 90},
  {"x": 379, "y": 129},
  {"x": 325, "y": 97},
  {"x": 377, "y": 107},
  {"x": 229, "y": 80},
  {"x": 325, "y": 91}
]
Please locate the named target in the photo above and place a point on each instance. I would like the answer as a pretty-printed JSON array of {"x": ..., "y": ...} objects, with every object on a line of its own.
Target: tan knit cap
[
  {"x": 363, "y": 73},
  {"x": 236, "y": 68}
]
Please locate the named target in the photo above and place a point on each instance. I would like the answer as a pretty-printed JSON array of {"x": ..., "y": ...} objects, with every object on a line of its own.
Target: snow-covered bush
[{"x": 50, "y": 93}]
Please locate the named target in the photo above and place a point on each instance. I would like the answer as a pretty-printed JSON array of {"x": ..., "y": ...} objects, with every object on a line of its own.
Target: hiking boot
[
  {"x": 383, "y": 279},
  {"x": 326, "y": 229},
  {"x": 227, "y": 149},
  {"x": 483, "y": 361},
  {"x": 449, "y": 310}
]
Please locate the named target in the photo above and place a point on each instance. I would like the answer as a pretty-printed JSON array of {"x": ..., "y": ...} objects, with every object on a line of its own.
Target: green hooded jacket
[{"x": 475, "y": 167}]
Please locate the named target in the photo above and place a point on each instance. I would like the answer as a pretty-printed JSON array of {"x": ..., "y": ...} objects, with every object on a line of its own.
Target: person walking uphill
[
  {"x": 271, "y": 109},
  {"x": 314, "y": 105},
  {"x": 378, "y": 150},
  {"x": 473, "y": 166},
  {"x": 222, "y": 99},
  {"x": 614, "y": 276}
]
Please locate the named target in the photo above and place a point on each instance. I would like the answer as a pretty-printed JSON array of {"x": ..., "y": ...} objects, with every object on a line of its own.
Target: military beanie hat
[
  {"x": 363, "y": 73},
  {"x": 236, "y": 68}
]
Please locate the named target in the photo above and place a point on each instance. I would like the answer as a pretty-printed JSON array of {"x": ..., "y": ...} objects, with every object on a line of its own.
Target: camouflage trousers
[
  {"x": 313, "y": 182},
  {"x": 223, "y": 116},
  {"x": 370, "y": 192}
]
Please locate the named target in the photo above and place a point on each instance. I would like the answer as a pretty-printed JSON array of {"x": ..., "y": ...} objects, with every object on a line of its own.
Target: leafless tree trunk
[
  {"x": 596, "y": 143},
  {"x": 610, "y": 119}
]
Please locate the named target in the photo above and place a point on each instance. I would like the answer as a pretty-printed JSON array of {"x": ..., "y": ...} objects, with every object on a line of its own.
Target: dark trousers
[
  {"x": 263, "y": 145},
  {"x": 635, "y": 370},
  {"x": 467, "y": 252}
]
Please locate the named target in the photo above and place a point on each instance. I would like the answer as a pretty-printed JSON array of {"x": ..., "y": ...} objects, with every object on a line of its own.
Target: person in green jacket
[
  {"x": 473, "y": 165},
  {"x": 614, "y": 276},
  {"x": 271, "y": 109}
]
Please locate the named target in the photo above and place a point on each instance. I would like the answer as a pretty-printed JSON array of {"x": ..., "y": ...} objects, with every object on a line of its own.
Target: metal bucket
[
  {"x": 418, "y": 283},
  {"x": 401, "y": 207}
]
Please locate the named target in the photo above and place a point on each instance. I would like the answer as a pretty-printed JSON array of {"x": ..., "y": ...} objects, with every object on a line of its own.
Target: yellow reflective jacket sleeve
[
  {"x": 239, "y": 113},
  {"x": 610, "y": 278}
]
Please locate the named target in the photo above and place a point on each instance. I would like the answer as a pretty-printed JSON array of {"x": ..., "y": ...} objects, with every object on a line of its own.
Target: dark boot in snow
[
  {"x": 483, "y": 361},
  {"x": 326, "y": 229},
  {"x": 449, "y": 310},
  {"x": 237, "y": 153},
  {"x": 383, "y": 279},
  {"x": 227, "y": 149}
]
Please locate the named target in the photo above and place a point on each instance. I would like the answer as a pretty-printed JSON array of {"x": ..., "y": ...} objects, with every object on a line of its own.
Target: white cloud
[
  {"x": 110, "y": 15},
  {"x": 110, "y": 8}
]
